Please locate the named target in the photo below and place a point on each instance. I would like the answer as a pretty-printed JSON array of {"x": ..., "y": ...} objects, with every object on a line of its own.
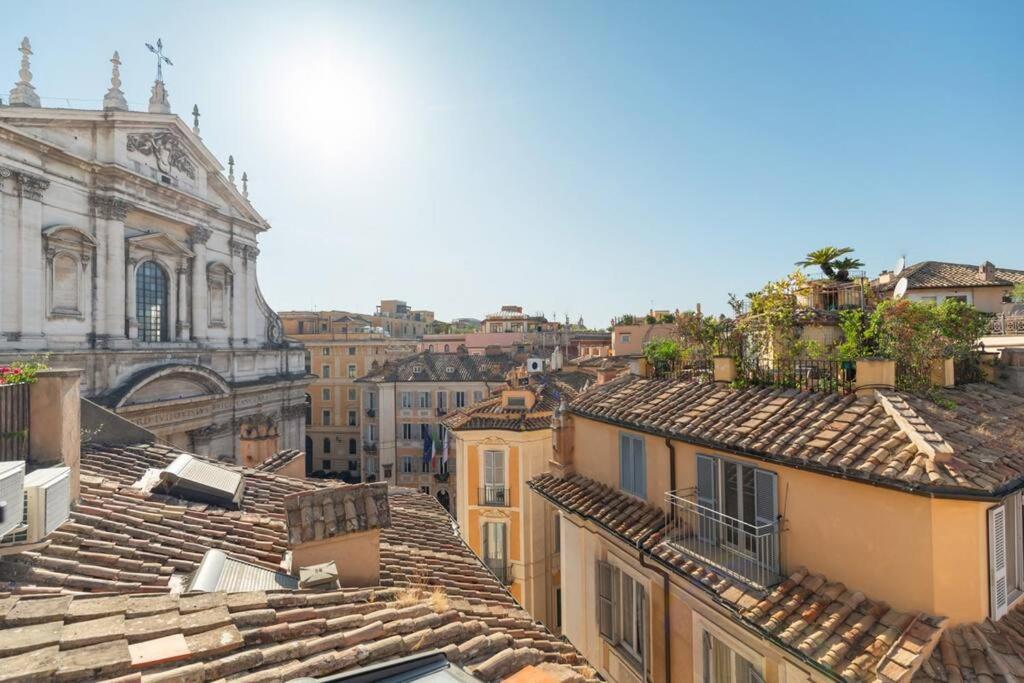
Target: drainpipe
[{"x": 666, "y": 616}]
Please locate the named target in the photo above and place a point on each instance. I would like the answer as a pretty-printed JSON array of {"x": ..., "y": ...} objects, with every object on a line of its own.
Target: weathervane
[{"x": 160, "y": 59}]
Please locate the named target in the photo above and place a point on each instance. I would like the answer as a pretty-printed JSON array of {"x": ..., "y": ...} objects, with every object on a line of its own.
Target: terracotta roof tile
[
  {"x": 938, "y": 274},
  {"x": 976, "y": 444},
  {"x": 443, "y": 367},
  {"x": 854, "y": 637}
]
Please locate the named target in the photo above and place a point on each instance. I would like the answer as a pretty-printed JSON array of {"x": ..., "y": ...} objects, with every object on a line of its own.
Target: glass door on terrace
[{"x": 738, "y": 505}]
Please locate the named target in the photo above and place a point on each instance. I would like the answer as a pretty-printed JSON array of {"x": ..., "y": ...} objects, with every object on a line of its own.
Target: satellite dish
[
  {"x": 901, "y": 263},
  {"x": 901, "y": 289}
]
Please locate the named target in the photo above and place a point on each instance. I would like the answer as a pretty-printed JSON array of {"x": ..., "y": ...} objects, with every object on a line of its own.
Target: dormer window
[
  {"x": 449, "y": 369},
  {"x": 197, "y": 480},
  {"x": 417, "y": 369}
]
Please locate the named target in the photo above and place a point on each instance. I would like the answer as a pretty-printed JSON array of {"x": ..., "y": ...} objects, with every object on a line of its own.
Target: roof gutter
[
  {"x": 931, "y": 492},
  {"x": 713, "y": 596}
]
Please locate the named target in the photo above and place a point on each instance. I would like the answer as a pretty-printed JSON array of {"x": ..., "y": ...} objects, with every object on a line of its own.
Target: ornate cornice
[
  {"x": 5, "y": 173},
  {"x": 109, "y": 208},
  {"x": 297, "y": 410},
  {"x": 166, "y": 149},
  {"x": 251, "y": 253}
]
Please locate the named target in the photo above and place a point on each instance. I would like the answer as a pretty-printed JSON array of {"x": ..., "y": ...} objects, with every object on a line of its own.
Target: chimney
[
  {"x": 725, "y": 369},
  {"x": 339, "y": 525},
  {"x": 54, "y": 431},
  {"x": 875, "y": 373},
  {"x": 885, "y": 277},
  {"x": 987, "y": 271},
  {"x": 942, "y": 373},
  {"x": 562, "y": 440}
]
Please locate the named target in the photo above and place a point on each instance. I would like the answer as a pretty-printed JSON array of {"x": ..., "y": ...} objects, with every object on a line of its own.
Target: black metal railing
[
  {"x": 370, "y": 412},
  {"x": 369, "y": 447},
  {"x": 14, "y": 420},
  {"x": 493, "y": 496},
  {"x": 502, "y": 571},
  {"x": 701, "y": 369},
  {"x": 801, "y": 374}
]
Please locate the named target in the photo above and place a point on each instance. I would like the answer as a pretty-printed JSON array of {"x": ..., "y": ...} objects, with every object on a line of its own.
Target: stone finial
[
  {"x": 158, "y": 102},
  {"x": 195, "y": 119},
  {"x": 24, "y": 93},
  {"x": 114, "y": 99},
  {"x": 245, "y": 184},
  {"x": 231, "y": 168}
]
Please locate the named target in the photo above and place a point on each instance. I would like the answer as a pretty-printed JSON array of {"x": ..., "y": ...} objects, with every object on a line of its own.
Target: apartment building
[
  {"x": 340, "y": 347},
  {"x": 984, "y": 286},
  {"x": 769, "y": 534},
  {"x": 500, "y": 444},
  {"x": 405, "y": 401}
]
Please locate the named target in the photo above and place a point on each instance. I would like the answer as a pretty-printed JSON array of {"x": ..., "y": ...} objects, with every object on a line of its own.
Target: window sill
[{"x": 624, "y": 655}]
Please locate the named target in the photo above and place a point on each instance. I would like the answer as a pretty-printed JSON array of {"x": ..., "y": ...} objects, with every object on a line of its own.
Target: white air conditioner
[
  {"x": 12, "y": 488},
  {"x": 535, "y": 365},
  {"x": 47, "y": 500}
]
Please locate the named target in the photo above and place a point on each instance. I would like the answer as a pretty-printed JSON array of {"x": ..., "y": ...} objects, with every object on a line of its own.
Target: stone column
[
  {"x": 32, "y": 296},
  {"x": 182, "y": 328},
  {"x": 129, "y": 279},
  {"x": 253, "y": 333},
  {"x": 8, "y": 265},
  {"x": 240, "y": 326},
  {"x": 200, "y": 235},
  {"x": 110, "y": 214}
]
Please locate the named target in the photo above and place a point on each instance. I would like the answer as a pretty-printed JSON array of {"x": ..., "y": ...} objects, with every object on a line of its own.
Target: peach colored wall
[
  {"x": 356, "y": 555},
  {"x": 638, "y": 336},
  {"x": 909, "y": 550},
  {"x": 55, "y": 430}
]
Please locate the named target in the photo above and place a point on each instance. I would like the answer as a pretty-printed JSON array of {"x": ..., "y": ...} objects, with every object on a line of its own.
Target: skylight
[{"x": 201, "y": 481}]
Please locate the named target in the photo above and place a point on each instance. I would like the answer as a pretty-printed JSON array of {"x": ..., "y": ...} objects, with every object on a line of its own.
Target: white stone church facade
[{"x": 125, "y": 251}]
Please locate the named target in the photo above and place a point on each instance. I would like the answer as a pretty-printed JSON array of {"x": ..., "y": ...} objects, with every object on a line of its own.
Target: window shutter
[
  {"x": 616, "y": 603},
  {"x": 707, "y": 497},
  {"x": 707, "y": 652},
  {"x": 766, "y": 512},
  {"x": 625, "y": 464},
  {"x": 639, "y": 468},
  {"x": 487, "y": 540},
  {"x": 997, "y": 561},
  {"x": 605, "y": 600}
]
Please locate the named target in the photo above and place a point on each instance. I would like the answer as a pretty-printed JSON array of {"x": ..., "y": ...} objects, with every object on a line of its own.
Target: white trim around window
[{"x": 755, "y": 659}]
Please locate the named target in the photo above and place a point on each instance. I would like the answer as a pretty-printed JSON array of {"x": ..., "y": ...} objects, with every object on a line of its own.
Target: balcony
[
  {"x": 370, "y": 412},
  {"x": 441, "y": 412},
  {"x": 502, "y": 571},
  {"x": 493, "y": 496},
  {"x": 1006, "y": 325},
  {"x": 744, "y": 551},
  {"x": 369, "y": 447}
]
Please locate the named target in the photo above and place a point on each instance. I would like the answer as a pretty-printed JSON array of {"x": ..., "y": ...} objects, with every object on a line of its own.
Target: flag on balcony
[
  {"x": 444, "y": 449},
  {"x": 428, "y": 445}
]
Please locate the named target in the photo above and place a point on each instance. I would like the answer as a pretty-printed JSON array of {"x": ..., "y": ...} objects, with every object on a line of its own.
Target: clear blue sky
[{"x": 577, "y": 157}]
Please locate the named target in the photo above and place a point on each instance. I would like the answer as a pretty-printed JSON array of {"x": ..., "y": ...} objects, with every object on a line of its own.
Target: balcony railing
[
  {"x": 369, "y": 447},
  {"x": 803, "y": 374},
  {"x": 14, "y": 419},
  {"x": 744, "y": 551},
  {"x": 1006, "y": 324},
  {"x": 501, "y": 570},
  {"x": 493, "y": 496},
  {"x": 370, "y": 412}
]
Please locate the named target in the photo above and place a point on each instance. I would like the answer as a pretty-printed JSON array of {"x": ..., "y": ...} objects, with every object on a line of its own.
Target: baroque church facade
[{"x": 127, "y": 252}]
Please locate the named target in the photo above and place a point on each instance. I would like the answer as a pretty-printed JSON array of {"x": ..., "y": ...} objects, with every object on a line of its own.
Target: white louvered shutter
[
  {"x": 997, "y": 561},
  {"x": 707, "y": 497},
  {"x": 766, "y": 512}
]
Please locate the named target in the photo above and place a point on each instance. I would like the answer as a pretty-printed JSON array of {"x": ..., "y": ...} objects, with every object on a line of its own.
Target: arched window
[
  {"x": 309, "y": 409},
  {"x": 151, "y": 302},
  {"x": 352, "y": 447},
  {"x": 327, "y": 445}
]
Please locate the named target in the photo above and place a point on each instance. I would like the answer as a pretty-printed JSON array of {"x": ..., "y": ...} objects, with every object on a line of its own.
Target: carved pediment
[
  {"x": 160, "y": 243},
  {"x": 167, "y": 150}
]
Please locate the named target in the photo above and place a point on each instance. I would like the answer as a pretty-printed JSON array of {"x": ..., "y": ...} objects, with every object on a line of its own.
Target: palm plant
[{"x": 829, "y": 260}]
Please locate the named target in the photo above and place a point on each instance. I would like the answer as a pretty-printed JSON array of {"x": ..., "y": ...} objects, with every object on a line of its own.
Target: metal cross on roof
[{"x": 160, "y": 59}]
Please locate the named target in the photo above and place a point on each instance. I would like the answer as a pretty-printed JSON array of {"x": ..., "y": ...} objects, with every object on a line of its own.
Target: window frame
[
  {"x": 325, "y": 394},
  {"x": 701, "y": 625},
  {"x": 325, "y": 417},
  {"x": 628, "y": 469}
]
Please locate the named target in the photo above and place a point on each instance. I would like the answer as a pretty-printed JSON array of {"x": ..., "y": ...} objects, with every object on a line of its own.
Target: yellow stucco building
[{"x": 765, "y": 534}]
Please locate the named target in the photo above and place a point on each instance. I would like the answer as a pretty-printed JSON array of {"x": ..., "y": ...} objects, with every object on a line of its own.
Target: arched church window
[{"x": 151, "y": 297}]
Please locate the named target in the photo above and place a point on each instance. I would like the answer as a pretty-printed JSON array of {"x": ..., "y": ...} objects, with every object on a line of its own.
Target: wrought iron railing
[
  {"x": 370, "y": 412},
  {"x": 493, "y": 496},
  {"x": 700, "y": 369},
  {"x": 369, "y": 447},
  {"x": 14, "y": 420},
  {"x": 1006, "y": 325},
  {"x": 744, "y": 551},
  {"x": 802, "y": 374}
]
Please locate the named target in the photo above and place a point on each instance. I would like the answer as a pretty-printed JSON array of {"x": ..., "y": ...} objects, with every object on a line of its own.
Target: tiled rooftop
[
  {"x": 838, "y": 628},
  {"x": 985, "y": 651},
  {"x": 98, "y": 600},
  {"x": 443, "y": 367},
  {"x": 336, "y": 511},
  {"x": 278, "y": 460},
  {"x": 549, "y": 388},
  {"x": 976, "y": 445},
  {"x": 938, "y": 274}
]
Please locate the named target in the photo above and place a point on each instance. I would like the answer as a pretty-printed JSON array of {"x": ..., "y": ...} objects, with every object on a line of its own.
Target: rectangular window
[
  {"x": 325, "y": 371},
  {"x": 424, "y": 399},
  {"x": 722, "y": 664},
  {"x": 424, "y": 431},
  {"x": 1006, "y": 554},
  {"x": 325, "y": 351},
  {"x": 352, "y": 370},
  {"x": 353, "y": 465},
  {"x": 425, "y": 465},
  {"x": 632, "y": 465},
  {"x": 495, "y": 492},
  {"x": 325, "y": 394},
  {"x": 460, "y": 399},
  {"x": 442, "y": 400},
  {"x": 326, "y": 465},
  {"x": 478, "y": 396},
  {"x": 351, "y": 418},
  {"x": 406, "y": 397},
  {"x": 496, "y": 547},
  {"x": 407, "y": 464},
  {"x": 558, "y": 607},
  {"x": 371, "y": 433},
  {"x": 326, "y": 416},
  {"x": 557, "y": 533},
  {"x": 622, "y": 612},
  {"x": 352, "y": 394},
  {"x": 371, "y": 400},
  {"x": 407, "y": 430},
  {"x": 624, "y": 338},
  {"x": 351, "y": 350}
]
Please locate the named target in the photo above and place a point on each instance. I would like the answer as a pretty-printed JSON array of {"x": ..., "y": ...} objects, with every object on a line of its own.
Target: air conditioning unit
[
  {"x": 535, "y": 365},
  {"x": 12, "y": 493},
  {"x": 47, "y": 500}
]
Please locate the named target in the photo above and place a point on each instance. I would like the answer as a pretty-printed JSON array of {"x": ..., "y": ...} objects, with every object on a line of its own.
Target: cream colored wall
[
  {"x": 638, "y": 336},
  {"x": 914, "y": 552},
  {"x": 356, "y": 556},
  {"x": 988, "y": 299}
]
